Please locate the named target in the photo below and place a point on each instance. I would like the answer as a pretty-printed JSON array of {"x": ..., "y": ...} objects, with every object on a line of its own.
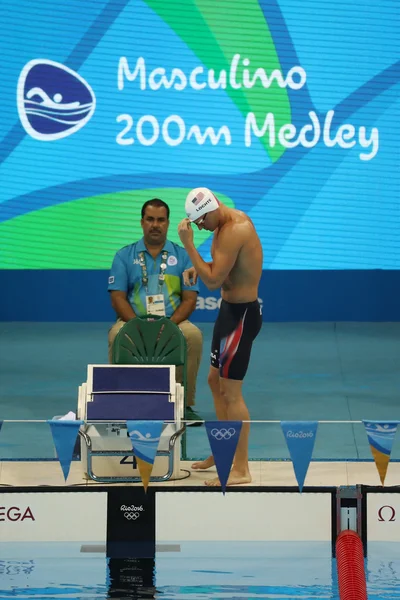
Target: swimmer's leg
[
  {"x": 220, "y": 409},
  {"x": 236, "y": 410}
]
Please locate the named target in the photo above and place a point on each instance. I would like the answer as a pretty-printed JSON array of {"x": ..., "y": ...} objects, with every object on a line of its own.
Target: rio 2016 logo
[
  {"x": 131, "y": 513},
  {"x": 53, "y": 101}
]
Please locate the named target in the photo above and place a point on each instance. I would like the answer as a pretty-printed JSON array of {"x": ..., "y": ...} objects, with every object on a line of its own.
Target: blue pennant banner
[
  {"x": 64, "y": 437},
  {"x": 381, "y": 436},
  {"x": 1, "y": 424},
  {"x": 223, "y": 437},
  {"x": 300, "y": 439},
  {"x": 145, "y": 437}
]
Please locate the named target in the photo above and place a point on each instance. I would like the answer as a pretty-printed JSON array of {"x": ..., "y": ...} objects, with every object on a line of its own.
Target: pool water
[{"x": 189, "y": 571}]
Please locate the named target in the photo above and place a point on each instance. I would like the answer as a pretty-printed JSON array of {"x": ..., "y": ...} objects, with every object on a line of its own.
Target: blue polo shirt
[{"x": 126, "y": 276}]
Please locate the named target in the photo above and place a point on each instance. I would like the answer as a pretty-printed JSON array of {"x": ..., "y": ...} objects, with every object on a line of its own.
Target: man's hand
[
  {"x": 190, "y": 276},
  {"x": 185, "y": 232}
]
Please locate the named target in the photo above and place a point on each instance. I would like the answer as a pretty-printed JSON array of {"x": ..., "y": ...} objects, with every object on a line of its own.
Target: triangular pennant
[
  {"x": 300, "y": 439},
  {"x": 145, "y": 437},
  {"x": 223, "y": 437},
  {"x": 380, "y": 437},
  {"x": 64, "y": 437}
]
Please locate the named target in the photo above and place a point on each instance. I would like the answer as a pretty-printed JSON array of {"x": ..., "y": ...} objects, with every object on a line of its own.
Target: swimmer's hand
[
  {"x": 190, "y": 276},
  {"x": 185, "y": 232}
]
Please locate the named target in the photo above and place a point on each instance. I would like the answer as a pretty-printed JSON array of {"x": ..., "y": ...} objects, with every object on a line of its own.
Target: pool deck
[{"x": 264, "y": 473}]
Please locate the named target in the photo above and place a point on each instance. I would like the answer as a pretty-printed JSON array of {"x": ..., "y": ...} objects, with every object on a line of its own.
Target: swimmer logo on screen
[{"x": 53, "y": 101}]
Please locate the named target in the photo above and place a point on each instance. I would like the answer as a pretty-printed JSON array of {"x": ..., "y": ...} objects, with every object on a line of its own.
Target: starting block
[{"x": 114, "y": 394}]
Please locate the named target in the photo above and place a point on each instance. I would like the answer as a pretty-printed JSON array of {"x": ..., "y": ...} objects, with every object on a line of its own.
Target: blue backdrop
[{"x": 285, "y": 296}]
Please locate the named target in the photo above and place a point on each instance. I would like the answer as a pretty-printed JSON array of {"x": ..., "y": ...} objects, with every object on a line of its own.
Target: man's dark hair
[{"x": 155, "y": 202}]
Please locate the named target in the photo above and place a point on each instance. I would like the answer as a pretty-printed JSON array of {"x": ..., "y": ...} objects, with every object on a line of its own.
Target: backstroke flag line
[
  {"x": 145, "y": 437},
  {"x": 223, "y": 437},
  {"x": 380, "y": 437},
  {"x": 300, "y": 439}
]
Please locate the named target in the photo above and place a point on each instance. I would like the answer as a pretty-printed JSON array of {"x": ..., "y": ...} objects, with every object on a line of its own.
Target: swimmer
[{"x": 235, "y": 268}]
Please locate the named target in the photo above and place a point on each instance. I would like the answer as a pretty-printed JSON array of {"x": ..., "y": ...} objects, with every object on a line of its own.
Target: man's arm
[
  {"x": 225, "y": 253},
  {"x": 122, "y": 307},
  {"x": 186, "y": 307}
]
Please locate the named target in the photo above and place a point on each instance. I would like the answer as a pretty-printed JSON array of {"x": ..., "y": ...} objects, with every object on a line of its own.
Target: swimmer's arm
[{"x": 225, "y": 253}]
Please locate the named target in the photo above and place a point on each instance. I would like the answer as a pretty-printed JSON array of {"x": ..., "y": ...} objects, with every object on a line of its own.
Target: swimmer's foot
[
  {"x": 204, "y": 464},
  {"x": 235, "y": 478}
]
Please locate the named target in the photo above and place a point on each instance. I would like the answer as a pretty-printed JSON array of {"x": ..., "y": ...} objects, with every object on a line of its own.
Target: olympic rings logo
[
  {"x": 223, "y": 434},
  {"x": 131, "y": 516}
]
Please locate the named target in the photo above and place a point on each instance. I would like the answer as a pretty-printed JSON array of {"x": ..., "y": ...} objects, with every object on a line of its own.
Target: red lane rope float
[{"x": 350, "y": 566}]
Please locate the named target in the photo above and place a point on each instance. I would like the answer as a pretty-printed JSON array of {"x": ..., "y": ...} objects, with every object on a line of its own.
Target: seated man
[{"x": 147, "y": 278}]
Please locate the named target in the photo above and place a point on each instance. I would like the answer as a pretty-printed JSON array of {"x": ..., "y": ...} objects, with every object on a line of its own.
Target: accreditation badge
[{"x": 155, "y": 305}]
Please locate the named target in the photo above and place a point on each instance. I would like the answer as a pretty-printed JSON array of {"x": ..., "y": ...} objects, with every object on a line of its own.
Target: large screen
[{"x": 286, "y": 109}]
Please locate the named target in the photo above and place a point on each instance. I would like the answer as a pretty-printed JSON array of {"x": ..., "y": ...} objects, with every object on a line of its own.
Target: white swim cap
[{"x": 199, "y": 202}]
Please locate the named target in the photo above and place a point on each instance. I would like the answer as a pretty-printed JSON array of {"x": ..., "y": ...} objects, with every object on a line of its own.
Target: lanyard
[{"x": 163, "y": 266}]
